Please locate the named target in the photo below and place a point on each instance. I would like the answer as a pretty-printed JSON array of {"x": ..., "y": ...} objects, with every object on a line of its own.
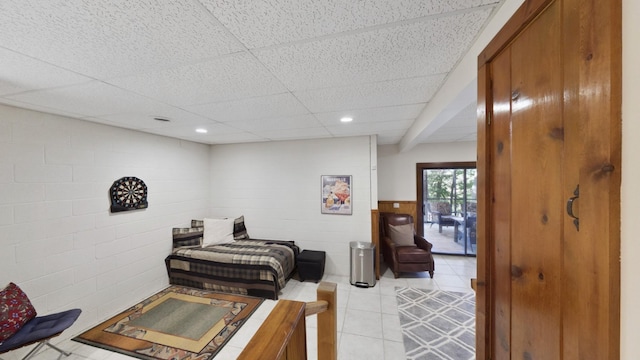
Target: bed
[{"x": 251, "y": 267}]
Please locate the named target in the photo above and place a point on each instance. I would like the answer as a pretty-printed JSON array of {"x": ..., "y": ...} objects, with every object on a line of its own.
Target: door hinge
[{"x": 488, "y": 117}]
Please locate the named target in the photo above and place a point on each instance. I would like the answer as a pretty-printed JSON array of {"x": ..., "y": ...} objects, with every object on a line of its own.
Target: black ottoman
[{"x": 311, "y": 265}]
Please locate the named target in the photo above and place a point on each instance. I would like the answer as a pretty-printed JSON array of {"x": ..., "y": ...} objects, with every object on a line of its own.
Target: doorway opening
[{"x": 447, "y": 194}]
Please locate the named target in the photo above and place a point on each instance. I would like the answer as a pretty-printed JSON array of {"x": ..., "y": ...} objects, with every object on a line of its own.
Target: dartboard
[{"x": 128, "y": 193}]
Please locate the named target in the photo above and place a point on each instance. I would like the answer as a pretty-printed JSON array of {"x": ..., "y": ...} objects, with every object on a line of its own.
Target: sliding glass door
[{"x": 447, "y": 193}]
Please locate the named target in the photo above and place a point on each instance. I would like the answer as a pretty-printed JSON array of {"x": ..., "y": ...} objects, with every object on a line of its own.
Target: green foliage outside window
[{"x": 454, "y": 186}]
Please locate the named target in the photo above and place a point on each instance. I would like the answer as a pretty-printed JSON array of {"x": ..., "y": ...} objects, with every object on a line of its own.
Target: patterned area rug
[
  {"x": 437, "y": 324},
  {"x": 176, "y": 323}
]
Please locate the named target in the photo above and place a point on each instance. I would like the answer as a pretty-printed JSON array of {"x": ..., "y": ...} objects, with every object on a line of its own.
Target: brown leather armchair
[{"x": 403, "y": 256}]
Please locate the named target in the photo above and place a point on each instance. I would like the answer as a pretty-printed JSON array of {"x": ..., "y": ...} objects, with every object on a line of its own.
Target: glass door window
[{"x": 449, "y": 208}]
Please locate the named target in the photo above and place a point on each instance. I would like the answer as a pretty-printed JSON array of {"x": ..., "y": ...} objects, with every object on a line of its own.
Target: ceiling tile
[
  {"x": 250, "y": 71},
  {"x": 388, "y": 93},
  {"x": 371, "y": 115},
  {"x": 227, "y": 78},
  {"x": 20, "y": 73},
  {"x": 282, "y": 21},
  {"x": 101, "y": 121},
  {"x": 272, "y": 106},
  {"x": 276, "y": 124},
  {"x": 291, "y": 134},
  {"x": 354, "y": 128},
  {"x": 432, "y": 46},
  {"x": 231, "y": 138},
  {"x": 38, "y": 107},
  {"x": 113, "y": 37},
  {"x": 145, "y": 120},
  {"x": 189, "y": 131},
  {"x": 89, "y": 99}
]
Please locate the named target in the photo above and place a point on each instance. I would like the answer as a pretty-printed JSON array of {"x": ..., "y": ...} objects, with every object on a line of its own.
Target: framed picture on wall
[{"x": 336, "y": 194}]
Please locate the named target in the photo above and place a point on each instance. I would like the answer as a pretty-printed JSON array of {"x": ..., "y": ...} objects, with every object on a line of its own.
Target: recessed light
[
  {"x": 201, "y": 131},
  {"x": 346, "y": 119}
]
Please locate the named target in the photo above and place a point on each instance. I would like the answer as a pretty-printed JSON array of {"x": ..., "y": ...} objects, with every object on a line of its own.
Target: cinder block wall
[{"x": 59, "y": 241}]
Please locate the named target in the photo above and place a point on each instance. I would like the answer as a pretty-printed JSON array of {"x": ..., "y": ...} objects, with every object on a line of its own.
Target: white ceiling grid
[{"x": 247, "y": 71}]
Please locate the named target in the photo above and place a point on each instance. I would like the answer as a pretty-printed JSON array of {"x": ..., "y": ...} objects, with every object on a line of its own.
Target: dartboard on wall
[{"x": 128, "y": 193}]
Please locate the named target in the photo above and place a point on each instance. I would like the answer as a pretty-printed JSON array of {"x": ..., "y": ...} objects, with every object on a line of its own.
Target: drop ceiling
[{"x": 247, "y": 71}]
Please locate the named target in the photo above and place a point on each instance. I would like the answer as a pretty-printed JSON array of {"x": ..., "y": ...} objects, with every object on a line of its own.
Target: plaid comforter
[{"x": 249, "y": 267}]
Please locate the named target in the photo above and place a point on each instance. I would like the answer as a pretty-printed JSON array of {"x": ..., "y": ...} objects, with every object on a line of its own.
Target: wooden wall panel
[
  {"x": 375, "y": 238},
  {"x": 406, "y": 207}
]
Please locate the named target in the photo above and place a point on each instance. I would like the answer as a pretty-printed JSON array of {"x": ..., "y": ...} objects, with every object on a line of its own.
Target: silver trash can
[{"x": 362, "y": 264}]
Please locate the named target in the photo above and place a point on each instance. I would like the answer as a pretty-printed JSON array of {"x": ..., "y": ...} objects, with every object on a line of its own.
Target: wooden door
[
  {"x": 549, "y": 119},
  {"x": 527, "y": 112}
]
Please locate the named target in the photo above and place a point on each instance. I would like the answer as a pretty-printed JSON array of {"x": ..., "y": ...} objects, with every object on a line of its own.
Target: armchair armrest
[
  {"x": 389, "y": 249},
  {"x": 388, "y": 242},
  {"x": 422, "y": 243}
]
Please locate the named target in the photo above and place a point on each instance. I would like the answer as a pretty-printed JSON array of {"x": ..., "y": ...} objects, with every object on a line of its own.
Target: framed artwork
[{"x": 336, "y": 194}]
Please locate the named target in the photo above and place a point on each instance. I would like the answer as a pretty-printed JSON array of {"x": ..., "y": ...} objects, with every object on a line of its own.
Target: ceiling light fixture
[
  {"x": 346, "y": 119},
  {"x": 201, "y": 131}
]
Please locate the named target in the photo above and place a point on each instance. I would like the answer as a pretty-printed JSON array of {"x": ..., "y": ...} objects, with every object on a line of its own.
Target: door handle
[{"x": 576, "y": 195}]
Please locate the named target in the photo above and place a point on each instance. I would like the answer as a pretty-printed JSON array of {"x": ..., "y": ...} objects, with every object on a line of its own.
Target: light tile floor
[{"x": 368, "y": 322}]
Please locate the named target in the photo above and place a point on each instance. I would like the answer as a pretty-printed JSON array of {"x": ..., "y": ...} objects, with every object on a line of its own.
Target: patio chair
[
  {"x": 19, "y": 325},
  {"x": 442, "y": 215}
]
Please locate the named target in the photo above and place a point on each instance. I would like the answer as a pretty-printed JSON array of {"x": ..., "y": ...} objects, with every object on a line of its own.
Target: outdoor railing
[{"x": 283, "y": 334}]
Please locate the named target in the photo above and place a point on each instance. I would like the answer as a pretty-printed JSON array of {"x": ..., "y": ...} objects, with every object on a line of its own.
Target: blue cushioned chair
[{"x": 39, "y": 330}]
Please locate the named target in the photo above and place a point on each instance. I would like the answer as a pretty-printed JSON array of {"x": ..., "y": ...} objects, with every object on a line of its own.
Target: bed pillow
[
  {"x": 239, "y": 229},
  {"x": 15, "y": 311},
  {"x": 217, "y": 232},
  {"x": 401, "y": 235},
  {"x": 187, "y": 236}
]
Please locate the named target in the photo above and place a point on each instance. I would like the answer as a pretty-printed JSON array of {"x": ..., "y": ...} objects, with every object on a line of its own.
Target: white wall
[
  {"x": 276, "y": 186},
  {"x": 630, "y": 204},
  {"x": 397, "y": 170},
  {"x": 58, "y": 240}
]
